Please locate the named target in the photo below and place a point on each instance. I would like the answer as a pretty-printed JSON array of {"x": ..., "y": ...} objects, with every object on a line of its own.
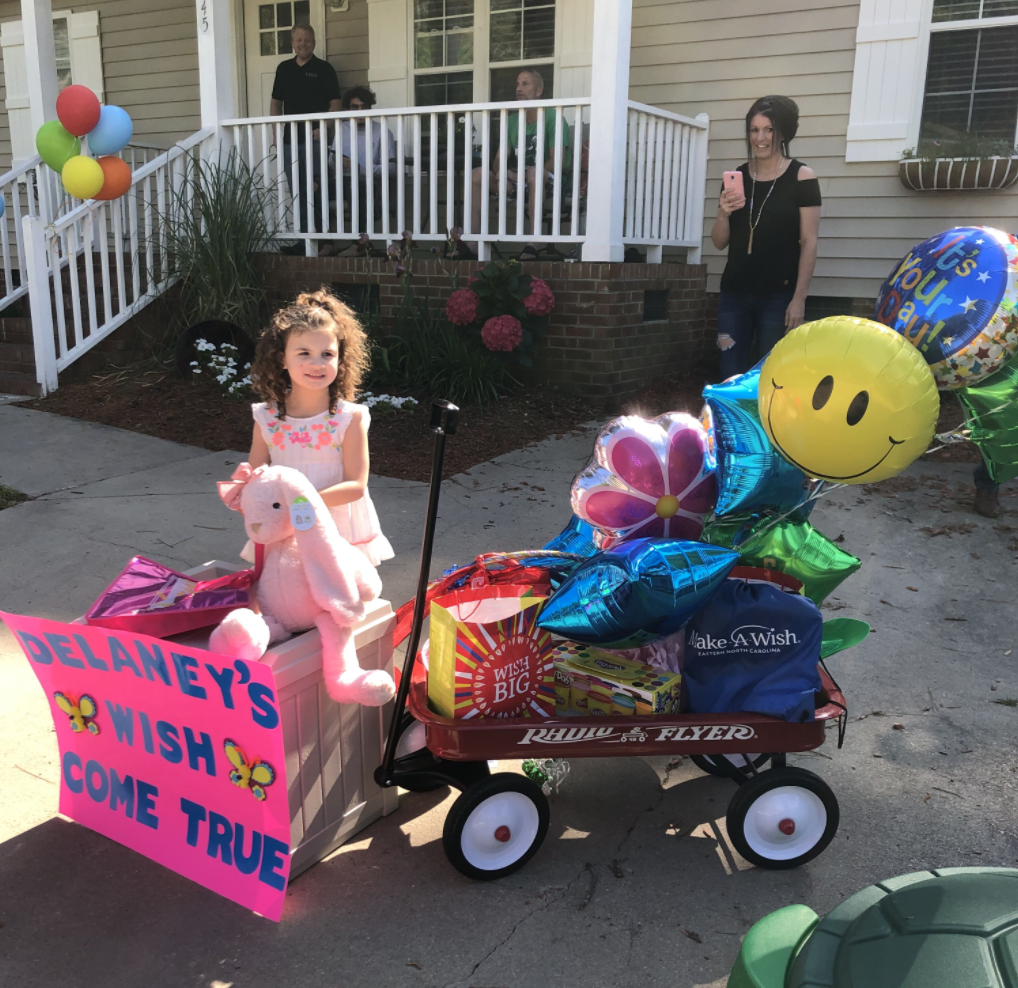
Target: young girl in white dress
[{"x": 308, "y": 367}]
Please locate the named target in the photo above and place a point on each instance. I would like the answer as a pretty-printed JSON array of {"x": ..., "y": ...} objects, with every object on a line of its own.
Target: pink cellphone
[{"x": 733, "y": 182}]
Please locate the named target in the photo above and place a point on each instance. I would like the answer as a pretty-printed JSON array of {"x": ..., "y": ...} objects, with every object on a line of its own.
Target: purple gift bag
[{"x": 151, "y": 599}]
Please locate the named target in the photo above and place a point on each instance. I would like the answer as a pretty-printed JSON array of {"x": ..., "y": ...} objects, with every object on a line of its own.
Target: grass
[
  {"x": 1006, "y": 702},
  {"x": 10, "y": 497}
]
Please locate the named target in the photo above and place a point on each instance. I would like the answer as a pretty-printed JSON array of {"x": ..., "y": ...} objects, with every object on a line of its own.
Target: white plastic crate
[{"x": 332, "y": 749}]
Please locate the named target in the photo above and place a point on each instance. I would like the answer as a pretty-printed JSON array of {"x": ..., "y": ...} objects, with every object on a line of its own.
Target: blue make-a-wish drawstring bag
[{"x": 754, "y": 647}]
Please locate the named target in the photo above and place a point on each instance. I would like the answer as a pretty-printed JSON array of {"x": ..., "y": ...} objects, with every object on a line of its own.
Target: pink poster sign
[{"x": 172, "y": 751}]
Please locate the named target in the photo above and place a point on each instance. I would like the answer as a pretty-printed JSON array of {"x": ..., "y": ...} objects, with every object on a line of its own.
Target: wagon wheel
[
  {"x": 495, "y": 826},
  {"x": 706, "y": 763},
  {"x": 782, "y": 818}
]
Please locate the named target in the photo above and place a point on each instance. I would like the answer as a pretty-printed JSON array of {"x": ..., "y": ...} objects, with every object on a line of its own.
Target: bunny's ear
[{"x": 230, "y": 490}]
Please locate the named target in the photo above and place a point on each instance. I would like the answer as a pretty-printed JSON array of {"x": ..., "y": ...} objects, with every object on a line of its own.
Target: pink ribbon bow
[{"x": 231, "y": 490}]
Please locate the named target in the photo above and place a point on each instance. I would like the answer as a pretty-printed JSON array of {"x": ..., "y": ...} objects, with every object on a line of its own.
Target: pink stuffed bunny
[{"x": 311, "y": 576}]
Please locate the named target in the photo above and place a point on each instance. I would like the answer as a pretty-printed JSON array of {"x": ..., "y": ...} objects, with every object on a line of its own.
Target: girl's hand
[
  {"x": 731, "y": 202},
  {"x": 795, "y": 314}
]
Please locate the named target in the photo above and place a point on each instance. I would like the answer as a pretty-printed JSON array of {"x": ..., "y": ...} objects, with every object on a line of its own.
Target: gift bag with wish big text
[{"x": 488, "y": 657}]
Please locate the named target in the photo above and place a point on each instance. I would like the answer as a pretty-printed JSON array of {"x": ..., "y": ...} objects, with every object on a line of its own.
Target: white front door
[{"x": 267, "y": 29}]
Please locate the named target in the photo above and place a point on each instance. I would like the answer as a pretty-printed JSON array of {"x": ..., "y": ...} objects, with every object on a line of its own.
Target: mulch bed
[{"x": 157, "y": 403}]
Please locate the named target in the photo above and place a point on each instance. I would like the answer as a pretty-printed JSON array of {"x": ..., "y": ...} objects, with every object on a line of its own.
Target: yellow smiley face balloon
[{"x": 848, "y": 400}]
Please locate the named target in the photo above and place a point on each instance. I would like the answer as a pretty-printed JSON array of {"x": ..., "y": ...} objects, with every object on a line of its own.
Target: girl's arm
[
  {"x": 356, "y": 464},
  {"x": 729, "y": 203},
  {"x": 809, "y": 227},
  {"x": 259, "y": 455}
]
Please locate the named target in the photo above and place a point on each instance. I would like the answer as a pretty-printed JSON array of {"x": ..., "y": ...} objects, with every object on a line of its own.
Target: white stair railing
[{"x": 92, "y": 268}]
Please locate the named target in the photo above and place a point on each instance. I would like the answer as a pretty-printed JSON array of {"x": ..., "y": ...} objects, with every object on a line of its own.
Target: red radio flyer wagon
[{"x": 779, "y": 817}]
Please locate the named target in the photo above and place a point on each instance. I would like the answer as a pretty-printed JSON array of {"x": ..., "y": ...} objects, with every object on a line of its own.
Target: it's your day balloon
[
  {"x": 954, "y": 297},
  {"x": 848, "y": 400}
]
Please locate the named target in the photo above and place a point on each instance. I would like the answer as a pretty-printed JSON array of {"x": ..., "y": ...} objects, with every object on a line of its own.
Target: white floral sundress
[{"x": 314, "y": 446}]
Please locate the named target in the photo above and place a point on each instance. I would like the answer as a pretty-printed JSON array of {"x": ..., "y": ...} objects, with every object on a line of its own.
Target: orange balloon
[{"x": 116, "y": 177}]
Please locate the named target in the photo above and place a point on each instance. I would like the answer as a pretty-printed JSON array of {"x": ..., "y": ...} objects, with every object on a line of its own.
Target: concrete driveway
[{"x": 637, "y": 883}]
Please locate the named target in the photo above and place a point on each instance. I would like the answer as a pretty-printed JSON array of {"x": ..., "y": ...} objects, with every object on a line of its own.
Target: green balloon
[
  {"x": 56, "y": 145},
  {"x": 788, "y": 546},
  {"x": 991, "y": 414}
]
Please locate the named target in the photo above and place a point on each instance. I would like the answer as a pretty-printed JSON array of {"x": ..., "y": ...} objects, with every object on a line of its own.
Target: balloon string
[
  {"x": 822, "y": 490},
  {"x": 963, "y": 433}
]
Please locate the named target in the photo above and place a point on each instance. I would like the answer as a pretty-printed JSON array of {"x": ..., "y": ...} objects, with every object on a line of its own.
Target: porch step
[
  {"x": 14, "y": 383},
  {"x": 16, "y": 329}
]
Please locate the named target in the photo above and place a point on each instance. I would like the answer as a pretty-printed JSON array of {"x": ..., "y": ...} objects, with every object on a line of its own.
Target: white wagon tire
[
  {"x": 495, "y": 826},
  {"x": 782, "y": 818}
]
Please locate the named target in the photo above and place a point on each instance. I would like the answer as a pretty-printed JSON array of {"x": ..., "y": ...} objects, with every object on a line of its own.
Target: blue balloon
[
  {"x": 113, "y": 132},
  {"x": 953, "y": 297},
  {"x": 577, "y": 536},
  {"x": 636, "y": 592},
  {"x": 3, "y": 205},
  {"x": 751, "y": 474}
]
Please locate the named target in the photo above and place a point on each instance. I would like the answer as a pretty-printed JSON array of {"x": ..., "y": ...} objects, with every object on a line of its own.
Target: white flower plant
[
  {"x": 220, "y": 362},
  {"x": 386, "y": 403}
]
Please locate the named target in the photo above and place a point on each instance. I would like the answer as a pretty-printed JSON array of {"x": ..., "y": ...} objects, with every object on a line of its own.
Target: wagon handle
[{"x": 444, "y": 416}]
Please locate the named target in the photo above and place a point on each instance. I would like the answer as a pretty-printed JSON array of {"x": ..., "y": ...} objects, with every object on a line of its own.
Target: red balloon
[
  {"x": 116, "y": 177},
  {"x": 78, "y": 109}
]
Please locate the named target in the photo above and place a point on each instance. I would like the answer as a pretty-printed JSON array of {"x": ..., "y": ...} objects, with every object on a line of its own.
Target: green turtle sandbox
[{"x": 950, "y": 928}]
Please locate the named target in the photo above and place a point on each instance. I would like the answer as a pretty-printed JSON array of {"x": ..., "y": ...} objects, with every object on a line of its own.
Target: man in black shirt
[{"x": 304, "y": 84}]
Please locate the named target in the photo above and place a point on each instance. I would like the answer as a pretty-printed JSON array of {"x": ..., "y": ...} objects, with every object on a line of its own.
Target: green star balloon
[
  {"x": 991, "y": 413},
  {"x": 789, "y": 546}
]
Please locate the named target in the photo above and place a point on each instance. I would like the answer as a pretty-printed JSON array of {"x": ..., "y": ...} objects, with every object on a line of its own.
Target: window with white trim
[
  {"x": 970, "y": 100},
  {"x": 467, "y": 51}
]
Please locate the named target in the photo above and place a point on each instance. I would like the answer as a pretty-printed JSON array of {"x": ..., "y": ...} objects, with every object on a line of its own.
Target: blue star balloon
[
  {"x": 955, "y": 298},
  {"x": 636, "y": 592},
  {"x": 577, "y": 536},
  {"x": 751, "y": 474}
]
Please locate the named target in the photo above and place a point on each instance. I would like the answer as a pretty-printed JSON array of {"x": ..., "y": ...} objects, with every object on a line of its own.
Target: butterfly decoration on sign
[
  {"x": 80, "y": 712},
  {"x": 248, "y": 775}
]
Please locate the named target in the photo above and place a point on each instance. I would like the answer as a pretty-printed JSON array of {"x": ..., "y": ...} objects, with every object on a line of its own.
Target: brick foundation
[{"x": 597, "y": 340}]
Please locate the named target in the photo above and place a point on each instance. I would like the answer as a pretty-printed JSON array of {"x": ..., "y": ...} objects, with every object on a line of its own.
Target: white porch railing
[
  {"x": 434, "y": 180},
  {"x": 91, "y": 269},
  {"x": 666, "y": 168},
  {"x": 35, "y": 190}
]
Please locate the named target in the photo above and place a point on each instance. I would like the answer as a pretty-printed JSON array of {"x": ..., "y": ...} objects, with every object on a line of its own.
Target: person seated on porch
[
  {"x": 529, "y": 86},
  {"x": 304, "y": 84},
  {"x": 382, "y": 156}
]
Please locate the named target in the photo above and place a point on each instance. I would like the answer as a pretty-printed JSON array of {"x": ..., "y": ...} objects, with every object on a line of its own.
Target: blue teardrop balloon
[
  {"x": 636, "y": 592},
  {"x": 577, "y": 536},
  {"x": 751, "y": 474}
]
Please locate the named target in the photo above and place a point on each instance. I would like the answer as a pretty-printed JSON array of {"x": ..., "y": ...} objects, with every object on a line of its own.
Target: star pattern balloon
[
  {"x": 636, "y": 592},
  {"x": 789, "y": 546},
  {"x": 751, "y": 473},
  {"x": 647, "y": 479},
  {"x": 955, "y": 297},
  {"x": 991, "y": 413}
]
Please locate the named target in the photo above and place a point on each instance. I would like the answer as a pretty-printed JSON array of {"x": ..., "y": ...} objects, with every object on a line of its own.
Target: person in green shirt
[{"x": 529, "y": 86}]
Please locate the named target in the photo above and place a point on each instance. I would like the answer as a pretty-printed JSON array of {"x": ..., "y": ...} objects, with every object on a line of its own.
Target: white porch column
[
  {"x": 609, "y": 96},
  {"x": 216, "y": 77},
  {"x": 40, "y": 60}
]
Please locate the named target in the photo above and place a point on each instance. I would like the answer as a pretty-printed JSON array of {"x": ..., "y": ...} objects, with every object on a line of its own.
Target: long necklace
[{"x": 752, "y": 193}]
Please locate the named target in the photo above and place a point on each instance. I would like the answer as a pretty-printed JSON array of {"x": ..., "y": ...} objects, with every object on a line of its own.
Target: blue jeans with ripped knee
[{"x": 741, "y": 316}]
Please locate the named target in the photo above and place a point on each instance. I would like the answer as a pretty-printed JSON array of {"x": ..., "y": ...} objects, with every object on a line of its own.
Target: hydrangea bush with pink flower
[{"x": 509, "y": 307}]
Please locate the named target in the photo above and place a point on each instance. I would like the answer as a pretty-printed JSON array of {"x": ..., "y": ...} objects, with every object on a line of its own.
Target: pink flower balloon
[{"x": 647, "y": 479}]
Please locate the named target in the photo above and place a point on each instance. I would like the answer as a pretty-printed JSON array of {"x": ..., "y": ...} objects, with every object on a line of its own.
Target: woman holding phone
[{"x": 768, "y": 219}]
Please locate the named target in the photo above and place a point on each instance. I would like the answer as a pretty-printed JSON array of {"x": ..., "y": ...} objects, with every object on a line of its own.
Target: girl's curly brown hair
[{"x": 312, "y": 310}]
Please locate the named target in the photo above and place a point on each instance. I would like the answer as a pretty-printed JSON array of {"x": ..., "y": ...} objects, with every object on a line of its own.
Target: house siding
[
  {"x": 150, "y": 62},
  {"x": 693, "y": 56}
]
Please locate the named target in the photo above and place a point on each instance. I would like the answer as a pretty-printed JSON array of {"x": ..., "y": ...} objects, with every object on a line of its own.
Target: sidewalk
[{"x": 636, "y": 883}]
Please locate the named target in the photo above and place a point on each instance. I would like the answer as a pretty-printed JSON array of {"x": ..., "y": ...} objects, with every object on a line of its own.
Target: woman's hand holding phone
[{"x": 733, "y": 195}]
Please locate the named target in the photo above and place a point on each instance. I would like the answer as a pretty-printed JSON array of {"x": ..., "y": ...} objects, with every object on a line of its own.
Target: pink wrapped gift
[{"x": 151, "y": 599}]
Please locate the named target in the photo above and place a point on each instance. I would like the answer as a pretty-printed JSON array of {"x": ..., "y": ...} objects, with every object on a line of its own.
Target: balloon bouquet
[
  {"x": 667, "y": 507},
  {"x": 108, "y": 130}
]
